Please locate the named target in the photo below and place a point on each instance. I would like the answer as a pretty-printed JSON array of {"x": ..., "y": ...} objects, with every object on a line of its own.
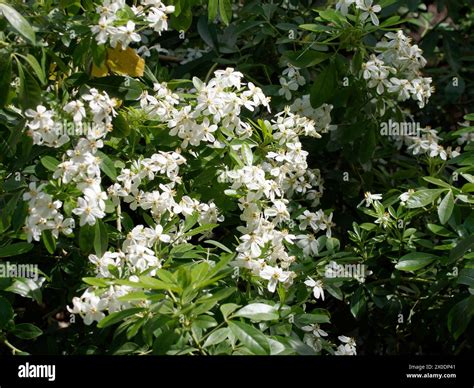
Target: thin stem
[{"x": 13, "y": 348}]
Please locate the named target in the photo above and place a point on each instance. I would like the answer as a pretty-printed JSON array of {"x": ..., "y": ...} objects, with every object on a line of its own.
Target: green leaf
[
  {"x": 212, "y": 9},
  {"x": 166, "y": 276},
  {"x": 216, "y": 337},
  {"x": 49, "y": 241},
  {"x": 466, "y": 276},
  {"x": 461, "y": 247},
  {"x": 306, "y": 58},
  {"x": 155, "y": 284},
  {"x": 36, "y": 67},
  {"x": 50, "y": 163},
  {"x": 98, "y": 282},
  {"x": 200, "y": 229},
  {"x": 219, "y": 245},
  {"x": 439, "y": 230},
  {"x": 26, "y": 331},
  {"x": 107, "y": 166},
  {"x": 120, "y": 126},
  {"x": 204, "y": 322},
  {"x": 316, "y": 316},
  {"x": 358, "y": 303},
  {"x": 332, "y": 15},
  {"x": 27, "y": 288},
  {"x": 6, "y": 312},
  {"x": 247, "y": 154},
  {"x": 5, "y": 79},
  {"x": 18, "y": 22},
  {"x": 29, "y": 91},
  {"x": 219, "y": 295},
  {"x": 324, "y": 86},
  {"x": 190, "y": 221},
  {"x": 253, "y": 339},
  {"x": 258, "y": 312},
  {"x": 460, "y": 316},
  {"x": 15, "y": 249},
  {"x": 86, "y": 238},
  {"x": 118, "y": 316},
  {"x": 101, "y": 238},
  {"x": 423, "y": 197},
  {"x": 437, "y": 182},
  {"x": 225, "y": 11},
  {"x": 445, "y": 208},
  {"x": 228, "y": 308},
  {"x": 414, "y": 261},
  {"x": 317, "y": 27}
]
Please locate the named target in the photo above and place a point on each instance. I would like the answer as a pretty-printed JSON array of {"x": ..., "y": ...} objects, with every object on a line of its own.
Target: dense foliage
[{"x": 217, "y": 177}]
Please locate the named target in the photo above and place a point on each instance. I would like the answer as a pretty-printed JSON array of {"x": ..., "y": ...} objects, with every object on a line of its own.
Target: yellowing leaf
[
  {"x": 121, "y": 62},
  {"x": 125, "y": 62},
  {"x": 101, "y": 71}
]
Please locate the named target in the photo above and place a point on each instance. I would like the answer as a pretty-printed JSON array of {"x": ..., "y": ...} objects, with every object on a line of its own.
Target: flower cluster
[
  {"x": 290, "y": 81},
  {"x": 92, "y": 307},
  {"x": 136, "y": 256},
  {"x": 428, "y": 143},
  {"x": 367, "y": 9},
  {"x": 270, "y": 183},
  {"x": 265, "y": 191},
  {"x": 114, "y": 24},
  {"x": 44, "y": 214},
  {"x": 321, "y": 116},
  {"x": 163, "y": 201},
  {"x": 215, "y": 109},
  {"x": 139, "y": 252},
  {"x": 80, "y": 165},
  {"x": 43, "y": 129},
  {"x": 313, "y": 335},
  {"x": 466, "y": 137},
  {"x": 347, "y": 348},
  {"x": 397, "y": 69}
]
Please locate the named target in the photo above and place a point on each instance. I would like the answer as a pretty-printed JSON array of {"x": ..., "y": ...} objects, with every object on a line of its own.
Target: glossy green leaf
[
  {"x": 258, "y": 312},
  {"x": 15, "y": 249},
  {"x": 6, "y": 312},
  {"x": 101, "y": 238},
  {"x": 446, "y": 207},
  {"x": 253, "y": 339},
  {"x": 18, "y": 22},
  {"x": 26, "y": 331}
]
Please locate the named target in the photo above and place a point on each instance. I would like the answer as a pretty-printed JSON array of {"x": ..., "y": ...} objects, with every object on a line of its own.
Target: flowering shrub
[{"x": 179, "y": 192}]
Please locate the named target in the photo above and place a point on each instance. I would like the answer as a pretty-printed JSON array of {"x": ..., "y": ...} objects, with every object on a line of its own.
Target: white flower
[
  {"x": 343, "y": 6},
  {"x": 104, "y": 29},
  {"x": 370, "y": 198},
  {"x": 157, "y": 235},
  {"x": 348, "y": 347},
  {"x": 251, "y": 243},
  {"x": 369, "y": 10},
  {"x": 308, "y": 243},
  {"x": 405, "y": 196},
  {"x": 315, "y": 330},
  {"x": 317, "y": 287},
  {"x": 287, "y": 86},
  {"x": 124, "y": 35},
  {"x": 88, "y": 211},
  {"x": 274, "y": 275},
  {"x": 33, "y": 192}
]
